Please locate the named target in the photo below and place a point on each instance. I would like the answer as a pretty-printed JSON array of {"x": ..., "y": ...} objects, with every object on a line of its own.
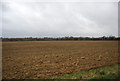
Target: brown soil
[{"x": 43, "y": 59}]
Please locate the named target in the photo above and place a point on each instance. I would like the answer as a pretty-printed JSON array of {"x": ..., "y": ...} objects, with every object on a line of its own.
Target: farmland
[{"x": 44, "y": 59}]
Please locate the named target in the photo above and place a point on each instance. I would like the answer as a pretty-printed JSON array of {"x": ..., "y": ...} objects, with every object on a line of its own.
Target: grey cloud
[{"x": 56, "y": 19}]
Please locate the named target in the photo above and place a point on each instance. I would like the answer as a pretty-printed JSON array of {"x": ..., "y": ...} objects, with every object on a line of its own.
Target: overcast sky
[{"x": 57, "y": 19}]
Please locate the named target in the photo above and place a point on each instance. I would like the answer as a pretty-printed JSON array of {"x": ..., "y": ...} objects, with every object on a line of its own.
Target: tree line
[{"x": 61, "y": 38}]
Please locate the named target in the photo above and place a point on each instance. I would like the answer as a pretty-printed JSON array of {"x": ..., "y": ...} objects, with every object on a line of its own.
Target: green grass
[
  {"x": 108, "y": 76},
  {"x": 108, "y": 72}
]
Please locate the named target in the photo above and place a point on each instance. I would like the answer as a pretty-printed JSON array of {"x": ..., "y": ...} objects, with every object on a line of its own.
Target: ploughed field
[{"x": 44, "y": 59}]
